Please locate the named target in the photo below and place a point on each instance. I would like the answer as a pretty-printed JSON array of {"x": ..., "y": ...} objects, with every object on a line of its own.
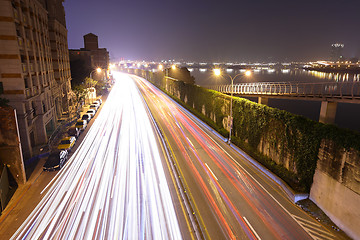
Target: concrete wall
[{"x": 336, "y": 186}]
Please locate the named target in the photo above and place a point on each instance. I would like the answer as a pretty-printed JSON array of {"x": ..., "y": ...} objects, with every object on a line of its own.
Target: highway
[
  {"x": 115, "y": 185},
  {"x": 231, "y": 198}
]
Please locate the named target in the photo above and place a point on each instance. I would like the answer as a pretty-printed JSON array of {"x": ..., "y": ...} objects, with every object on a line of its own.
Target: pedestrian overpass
[{"x": 329, "y": 93}]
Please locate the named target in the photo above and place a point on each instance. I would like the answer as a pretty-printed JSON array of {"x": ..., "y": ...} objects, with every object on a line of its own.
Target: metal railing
[{"x": 324, "y": 90}]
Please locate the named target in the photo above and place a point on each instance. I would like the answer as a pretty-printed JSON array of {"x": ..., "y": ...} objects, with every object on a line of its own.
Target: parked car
[
  {"x": 94, "y": 106},
  {"x": 86, "y": 117},
  {"x": 56, "y": 160},
  {"x": 92, "y": 112},
  {"x": 67, "y": 143},
  {"x": 97, "y": 103},
  {"x": 81, "y": 124},
  {"x": 74, "y": 131}
]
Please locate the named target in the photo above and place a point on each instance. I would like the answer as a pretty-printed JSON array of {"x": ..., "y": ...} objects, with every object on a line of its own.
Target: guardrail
[{"x": 336, "y": 90}]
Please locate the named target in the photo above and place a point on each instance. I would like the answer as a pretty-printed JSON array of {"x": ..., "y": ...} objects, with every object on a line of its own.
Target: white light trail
[{"x": 114, "y": 185}]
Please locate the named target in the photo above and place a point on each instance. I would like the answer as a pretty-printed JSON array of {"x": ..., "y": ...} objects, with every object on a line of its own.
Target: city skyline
[{"x": 209, "y": 31}]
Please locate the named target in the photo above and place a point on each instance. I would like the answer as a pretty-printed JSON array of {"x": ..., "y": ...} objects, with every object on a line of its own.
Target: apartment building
[{"x": 34, "y": 67}]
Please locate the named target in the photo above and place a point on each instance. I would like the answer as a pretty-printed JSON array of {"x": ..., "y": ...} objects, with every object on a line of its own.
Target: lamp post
[
  {"x": 217, "y": 72},
  {"x": 98, "y": 70}
]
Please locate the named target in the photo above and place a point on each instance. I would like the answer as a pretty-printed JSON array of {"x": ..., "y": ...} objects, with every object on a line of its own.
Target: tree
[
  {"x": 182, "y": 74},
  {"x": 80, "y": 92},
  {"x": 89, "y": 82}
]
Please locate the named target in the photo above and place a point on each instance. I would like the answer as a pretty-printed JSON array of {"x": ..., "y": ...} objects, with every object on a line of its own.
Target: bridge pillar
[
  {"x": 263, "y": 100},
  {"x": 328, "y": 112}
]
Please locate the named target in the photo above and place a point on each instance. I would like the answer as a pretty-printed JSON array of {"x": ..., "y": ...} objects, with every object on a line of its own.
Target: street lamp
[
  {"x": 217, "y": 72},
  {"x": 161, "y": 68},
  {"x": 98, "y": 70}
]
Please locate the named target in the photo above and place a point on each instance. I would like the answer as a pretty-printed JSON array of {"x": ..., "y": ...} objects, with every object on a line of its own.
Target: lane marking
[
  {"x": 314, "y": 228},
  {"x": 307, "y": 221},
  {"x": 211, "y": 172},
  {"x": 316, "y": 235},
  {"x": 164, "y": 143},
  {"x": 251, "y": 227},
  {"x": 190, "y": 142}
]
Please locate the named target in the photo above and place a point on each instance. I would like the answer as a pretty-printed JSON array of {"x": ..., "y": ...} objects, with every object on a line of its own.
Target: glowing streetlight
[
  {"x": 173, "y": 67},
  {"x": 98, "y": 70},
  {"x": 217, "y": 72},
  {"x": 161, "y": 67}
]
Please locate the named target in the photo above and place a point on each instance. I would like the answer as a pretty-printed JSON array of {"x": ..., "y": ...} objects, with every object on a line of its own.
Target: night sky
[{"x": 223, "y": 30}]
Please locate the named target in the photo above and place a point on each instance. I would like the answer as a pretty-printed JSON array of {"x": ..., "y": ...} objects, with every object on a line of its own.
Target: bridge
[{"x": 329, "y": 93}]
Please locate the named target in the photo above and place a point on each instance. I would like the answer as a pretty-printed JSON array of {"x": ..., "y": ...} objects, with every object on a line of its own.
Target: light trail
[{"x": 114, "y": 186}]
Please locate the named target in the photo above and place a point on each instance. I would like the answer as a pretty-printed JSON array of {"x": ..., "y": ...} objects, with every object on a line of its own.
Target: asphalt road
[
  {"x": 231, "y": 197},
  {"x": 116, "y": 183}
]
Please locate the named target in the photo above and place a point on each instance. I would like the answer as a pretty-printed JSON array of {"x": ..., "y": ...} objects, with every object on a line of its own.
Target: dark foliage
[{"x": 181, "y": 74}]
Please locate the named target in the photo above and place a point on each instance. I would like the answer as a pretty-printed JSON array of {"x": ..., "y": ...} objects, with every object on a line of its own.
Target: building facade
[
  {"x": 93, "y": 55},
  {"x": 34, "y": 66},
  {"x": 336, "y": 53}
]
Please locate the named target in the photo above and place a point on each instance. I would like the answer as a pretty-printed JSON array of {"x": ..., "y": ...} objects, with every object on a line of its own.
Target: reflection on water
[{"x": 204, "y": 76}]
